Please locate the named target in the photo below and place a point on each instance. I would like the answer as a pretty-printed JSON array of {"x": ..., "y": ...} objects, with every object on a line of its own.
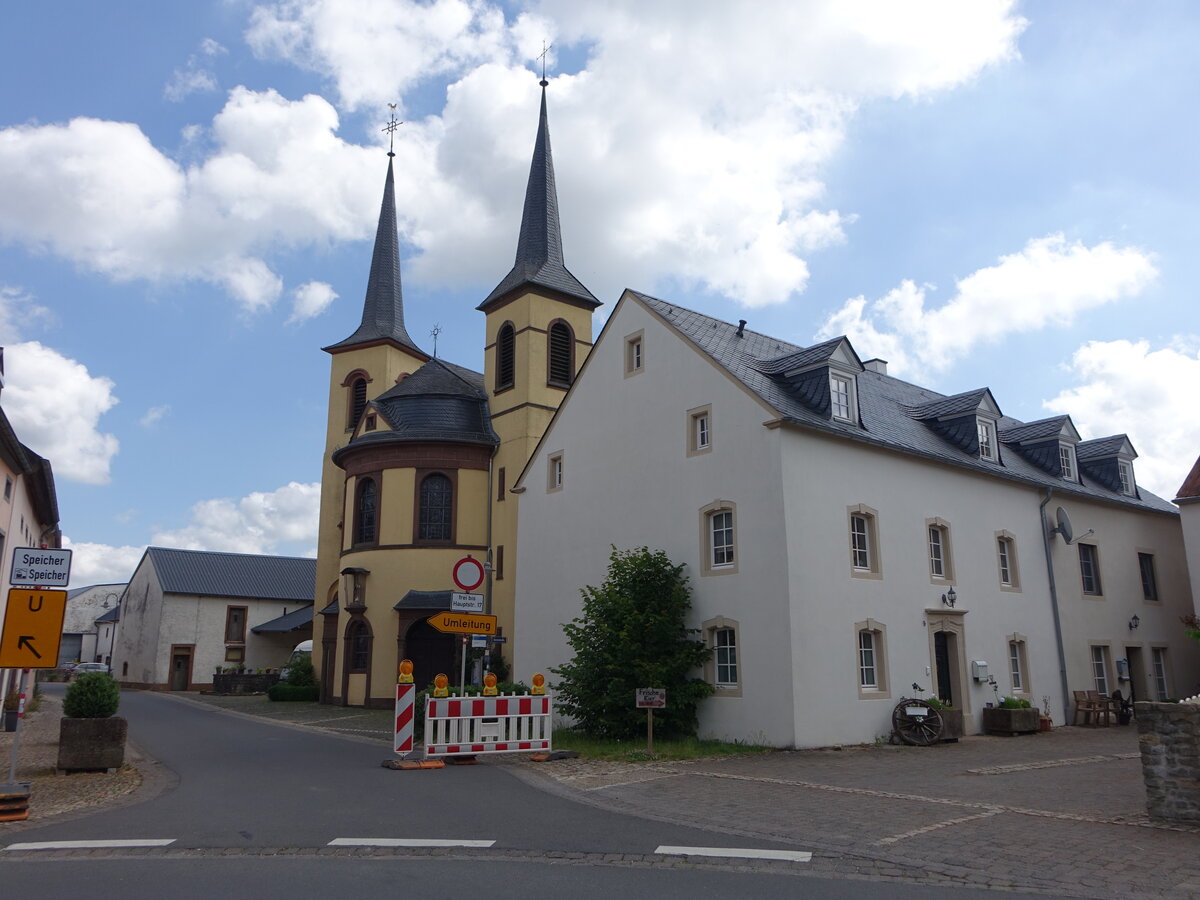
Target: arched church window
[
  {"x": 560, "y": 352},
  {"x": 506, "y": 356},
  {"x": 366, "y": 512},
  {"x": 437, "y": 505}
]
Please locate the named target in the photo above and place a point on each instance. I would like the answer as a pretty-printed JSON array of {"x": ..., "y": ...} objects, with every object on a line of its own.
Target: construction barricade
[{"x": 516, "y": 723}]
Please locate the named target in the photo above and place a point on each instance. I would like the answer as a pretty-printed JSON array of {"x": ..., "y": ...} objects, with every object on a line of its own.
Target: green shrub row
[{"x": 294, "y": 692}]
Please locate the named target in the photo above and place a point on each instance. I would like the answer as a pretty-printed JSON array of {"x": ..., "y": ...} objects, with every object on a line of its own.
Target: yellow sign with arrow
[{"x": 33, "y": 623}]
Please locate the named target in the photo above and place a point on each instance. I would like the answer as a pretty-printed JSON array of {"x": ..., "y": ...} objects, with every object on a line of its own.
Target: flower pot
[
  {"x": 998, "y": 720},
  {"x": 91, "y": 744},
  {"x": 1046, "y": 723}
]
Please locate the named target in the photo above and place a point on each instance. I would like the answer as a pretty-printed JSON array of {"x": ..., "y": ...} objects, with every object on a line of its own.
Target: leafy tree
[{"x": 631, "y": 635}]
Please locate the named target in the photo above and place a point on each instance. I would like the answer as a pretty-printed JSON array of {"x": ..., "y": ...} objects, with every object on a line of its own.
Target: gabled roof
[
  {"x": 383, "y": 307},
  {"x": 803, "y": 359},
  {"x": 212, "y": 574},
  {"x": 958, "y": 405},
  {"x": 113, "y": 615},
  {"x": 884, "y": 406},
  {"x": 1190, "y": 489},
  {"x": 296, "y": 620},
  {"x": 539, "y": 260},
  {"x": 425, "y": 600},
  {"x": 1100, "y": 448}
]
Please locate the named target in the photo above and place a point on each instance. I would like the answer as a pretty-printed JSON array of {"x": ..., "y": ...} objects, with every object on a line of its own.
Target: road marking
[
  {"x": 90, "y": 845},
  {"x": 737, "y": 853},
  {"x": 925, "y": 829},
  {"x": 405, "y": 842}
]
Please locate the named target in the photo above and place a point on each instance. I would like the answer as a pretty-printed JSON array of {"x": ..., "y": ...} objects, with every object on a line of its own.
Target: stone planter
[
  {"x": 997, "y": 720},
  {"x": 91, "y": 744},
  {"x": 1169, "y": 740},
  {"x": 952, "y": 724}
]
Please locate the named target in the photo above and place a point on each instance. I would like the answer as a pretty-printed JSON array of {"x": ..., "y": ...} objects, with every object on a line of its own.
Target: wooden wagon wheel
[{"x": 916, "y": 722}]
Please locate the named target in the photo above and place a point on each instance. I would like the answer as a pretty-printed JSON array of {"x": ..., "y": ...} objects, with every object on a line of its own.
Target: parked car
[
  {"x": 303, "y": 650},
  {"x": 84, "y": 668}
]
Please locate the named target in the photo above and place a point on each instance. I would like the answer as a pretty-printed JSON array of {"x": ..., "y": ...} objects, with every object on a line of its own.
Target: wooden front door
[{"x": 181, "y": 669}]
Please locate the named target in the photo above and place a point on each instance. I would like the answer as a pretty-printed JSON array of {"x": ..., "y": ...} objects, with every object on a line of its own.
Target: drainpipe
[
  {"x": 1058, "y": 636},
  {"x": 487, "y": 569}
]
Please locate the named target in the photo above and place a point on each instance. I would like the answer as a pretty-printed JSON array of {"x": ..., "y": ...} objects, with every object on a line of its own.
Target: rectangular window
[
  {"x": 235, "y": 624},
  {"x": 554, "y": 474},
  {"x": 937, "y": 557},
  {"x": 1100, "y": 668},
  {"x": 868, "y": 676},
  {"x": 1149, "y": 582},
  {"x": 232, "y": 654},
  {"x": 1126, "y": 472},
  {"x": 7, "y": 488},
  {"x": 840, "y": 397},
  {"x": 699, "y": 430},
  {"x": 700, "y": 423},
  {"x": 1089, "y": 568},
  {"x": 1005, "y": 564},
  {"x": 1159, "y": 655},
  {"x": 725, "y": 656},
  {"x": 987, "y": 440},
  {"x": 634, "y": 353},
  {"x": 500, "y": 487},
  {"x": 860, "y": 543},
  {"x": 1066, "y": 459},
  {"x": 1014, "y": 666},
  {"x": 721, "y": 529},
  {"x": 372, "y": 423}
]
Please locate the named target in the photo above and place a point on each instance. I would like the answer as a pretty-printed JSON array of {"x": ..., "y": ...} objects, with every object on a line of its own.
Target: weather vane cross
[
  {"x": 390, "y": 129},
  {"x": 437, "y": 329},
  {"x": 542, "y": 57}
]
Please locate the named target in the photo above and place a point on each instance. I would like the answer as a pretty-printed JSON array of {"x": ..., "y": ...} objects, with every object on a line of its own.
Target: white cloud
[
  {"x": 1125, "y": 387},
  {"x": 100, "y": 563},
  {"x": 311, "y": 300},
  {"x": 18, "y": 310},
  {"x": 189, "y": 81},
  {"x": 153, "y": 415},
  {"x": 55, "y": 406},
  {"x": 1050, "y": 282},
  {"x": 257, "y": 523}
]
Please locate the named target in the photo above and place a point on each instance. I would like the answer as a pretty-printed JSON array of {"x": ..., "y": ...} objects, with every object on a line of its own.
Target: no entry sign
[{"x": 468, "y": 574}]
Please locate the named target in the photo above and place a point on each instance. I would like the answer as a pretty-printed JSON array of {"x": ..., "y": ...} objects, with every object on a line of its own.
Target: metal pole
[
  {"x": 12, "y": 766},
  {"x": 650, "y": 730},
  {"x": 462, "y": 678}
]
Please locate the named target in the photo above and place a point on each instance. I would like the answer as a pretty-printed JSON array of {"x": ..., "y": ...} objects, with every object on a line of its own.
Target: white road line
[
  {"x": 405, "y": 842},
  {"x": 737, "y": 853},
  {"x": 90, "y": 845}
]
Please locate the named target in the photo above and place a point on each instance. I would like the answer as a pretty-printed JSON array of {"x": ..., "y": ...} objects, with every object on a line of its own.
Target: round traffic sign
[{"x": 468, "y": 574}]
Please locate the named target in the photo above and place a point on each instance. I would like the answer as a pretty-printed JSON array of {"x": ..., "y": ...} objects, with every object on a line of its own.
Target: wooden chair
[
  {"x": 1085, "y": 708},
  {"x": 1102, "y": 705}
]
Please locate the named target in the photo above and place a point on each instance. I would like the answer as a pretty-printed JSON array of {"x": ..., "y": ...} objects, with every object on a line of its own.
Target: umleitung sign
[{"x": 463, "y": 623}]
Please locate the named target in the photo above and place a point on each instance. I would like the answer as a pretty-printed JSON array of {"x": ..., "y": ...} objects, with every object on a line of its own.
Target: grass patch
[{"x": 635, "y": 750}]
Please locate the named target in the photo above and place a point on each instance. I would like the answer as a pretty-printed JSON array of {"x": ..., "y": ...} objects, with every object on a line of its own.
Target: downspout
[
  {"x": 487, "y": 568},
  {"x": 1058, "y": 636}
]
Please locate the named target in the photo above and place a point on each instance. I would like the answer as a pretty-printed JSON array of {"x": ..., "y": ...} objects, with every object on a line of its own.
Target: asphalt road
[{"x": 258, "y": 809}]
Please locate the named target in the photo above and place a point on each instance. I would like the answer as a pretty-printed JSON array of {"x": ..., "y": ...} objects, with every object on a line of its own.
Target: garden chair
[
  {"x": 1103, "y": 706},
  {"x": 1085, "y": 708}
]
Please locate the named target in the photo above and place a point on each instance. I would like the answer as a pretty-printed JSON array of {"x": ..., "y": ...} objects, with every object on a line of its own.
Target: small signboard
[
  {"x": 478, "y": 640},
  {"x": 466, "y": 602},
  {"x": 651, "y": 698},
  {"x": 463, "y": 623},
  {"x": 36, "y": 567},
  {"x": 499, "y": 639}
]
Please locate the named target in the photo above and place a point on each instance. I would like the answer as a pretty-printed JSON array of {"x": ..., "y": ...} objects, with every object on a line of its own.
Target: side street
[{"x": 1060, "y": 812}]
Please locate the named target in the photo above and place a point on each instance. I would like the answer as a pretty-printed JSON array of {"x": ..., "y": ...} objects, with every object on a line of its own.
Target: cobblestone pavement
[{"x": 1060, "y": 813}]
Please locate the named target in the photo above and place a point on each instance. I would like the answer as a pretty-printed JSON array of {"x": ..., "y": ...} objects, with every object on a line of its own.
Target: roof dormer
[
  {"x": 966, "y": 420},
  {"x": 823, "y": 377},
  {"x": 1109, "y": 461},
  {"x": 1047, "y": 443}
]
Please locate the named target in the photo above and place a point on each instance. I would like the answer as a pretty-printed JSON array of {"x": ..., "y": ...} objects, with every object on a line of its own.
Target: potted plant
[
  {"x": 1045, "y": 722},
  {"x": 1012, "y": 715},
  {"x": 952, "y": 720},
  {"x": 91, "y": 735}
]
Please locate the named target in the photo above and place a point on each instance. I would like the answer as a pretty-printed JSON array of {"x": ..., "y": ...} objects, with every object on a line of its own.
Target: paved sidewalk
[{"x": 1061, "y": 812}]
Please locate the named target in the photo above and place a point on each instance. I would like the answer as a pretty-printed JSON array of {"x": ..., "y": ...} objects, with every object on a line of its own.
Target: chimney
[
  {"x": 741, "y": 327},
  {"x": 876, "y": 365}
]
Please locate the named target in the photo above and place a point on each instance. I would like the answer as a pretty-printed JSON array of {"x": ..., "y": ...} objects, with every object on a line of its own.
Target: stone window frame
[
  {"x": 561, "y": 355},
  {"x": 874, "y": 567},
  {"x": 1019, "y": 643},
  {"x": 695, "y": 417},
  {"x": 707, "y": 513},
  {"x": 355, "y": 384},
  {"x": 1089, "y": 571},
  {"x": 1147, "y": 566},
  {"x": 239, "y": 636},
  {"x": 709, "y": 629},
  {"x": 506, "y": 357},
  {"x": 1100, "y": 667},
  {"x": 1007, "y": 541},
  {"x": 942, "y": 527},
  {"x": 555, "y": 471},
  {"x": 635, "y": 353},
  {"x": 881, "y": 690}
]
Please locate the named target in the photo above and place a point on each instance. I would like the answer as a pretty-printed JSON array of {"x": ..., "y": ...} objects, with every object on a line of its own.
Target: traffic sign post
[
  {"x": 650, "y": 699},
  {"x": 468, "y": 573},
  {"x": 32, "y": 630},
  {"x": 463, "y": 623}
]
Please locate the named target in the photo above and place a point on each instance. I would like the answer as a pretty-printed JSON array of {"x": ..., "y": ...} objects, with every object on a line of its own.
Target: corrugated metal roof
[
  {"x": 293, "y": 621},
  {"x": 234, "y": 574}
]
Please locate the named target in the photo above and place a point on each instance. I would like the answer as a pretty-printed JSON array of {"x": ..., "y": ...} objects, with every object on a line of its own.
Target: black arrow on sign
[{"x": 26, "y": 640}]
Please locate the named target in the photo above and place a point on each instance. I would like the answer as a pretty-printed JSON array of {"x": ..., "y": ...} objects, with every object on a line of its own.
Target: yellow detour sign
[
  {"x": 463, "y": 623},
  {"x": 32, "y": 629}
]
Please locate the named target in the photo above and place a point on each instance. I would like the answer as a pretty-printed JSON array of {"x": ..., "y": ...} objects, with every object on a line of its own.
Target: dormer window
[
  {"x": 1125, "y": 470},
  {"x": 841, "y": 396},
  {"x": 1066, "y": 460},
  {"x": 987, "y": 439}
]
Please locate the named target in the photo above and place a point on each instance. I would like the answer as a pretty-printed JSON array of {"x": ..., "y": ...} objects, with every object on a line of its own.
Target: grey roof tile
[
  {"x": 293, "y": 621},
  {"x": 212, "y": 574},
  {"x": 1041, "y": 430}
]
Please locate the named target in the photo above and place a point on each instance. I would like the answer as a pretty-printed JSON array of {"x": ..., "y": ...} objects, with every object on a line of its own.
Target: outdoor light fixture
[
  {"x": 949, "y": 597},
  {"x": 1134, "y": 623}
]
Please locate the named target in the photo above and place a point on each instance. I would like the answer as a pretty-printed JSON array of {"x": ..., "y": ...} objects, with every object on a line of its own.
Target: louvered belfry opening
[
  {"x": 561, "y": 368},
  {"x": 505, "y": 356},
  {"x": 358, "y": 400}
]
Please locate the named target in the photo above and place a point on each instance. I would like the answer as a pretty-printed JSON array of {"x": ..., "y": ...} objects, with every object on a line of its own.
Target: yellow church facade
[{"x": 420, "y": 455}]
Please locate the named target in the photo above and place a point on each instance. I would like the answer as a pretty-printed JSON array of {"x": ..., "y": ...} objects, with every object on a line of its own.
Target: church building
[{"x": 420, "y": 454}]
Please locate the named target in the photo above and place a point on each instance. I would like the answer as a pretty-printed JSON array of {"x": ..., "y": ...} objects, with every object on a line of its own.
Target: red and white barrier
[
  {"x": 506, "y": 724},
  {"x": 406, "y": 695}
]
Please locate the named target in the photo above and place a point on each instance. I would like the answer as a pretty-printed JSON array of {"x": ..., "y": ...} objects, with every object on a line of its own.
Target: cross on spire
[
  {"x": 390, "y": 129},
  {"x": 437, "y": 329},
  {"x": 542, "y": 56}
]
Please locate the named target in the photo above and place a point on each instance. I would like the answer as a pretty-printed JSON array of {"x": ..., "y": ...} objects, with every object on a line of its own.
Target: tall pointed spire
[
  {"x": 539, "y": 259},
  {"x": 383, "y": 308}
]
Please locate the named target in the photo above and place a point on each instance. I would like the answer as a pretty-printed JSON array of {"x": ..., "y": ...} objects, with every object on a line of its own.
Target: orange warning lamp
[
  {"x": 489, "y": 685},
  {"x": 406, "y": 672},
  {"x": 539, "y": 684},
  {"x": 441, "y": 685}
]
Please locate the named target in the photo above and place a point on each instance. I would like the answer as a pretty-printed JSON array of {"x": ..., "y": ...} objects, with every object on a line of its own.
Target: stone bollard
[{"x": 1169, "y": 740}]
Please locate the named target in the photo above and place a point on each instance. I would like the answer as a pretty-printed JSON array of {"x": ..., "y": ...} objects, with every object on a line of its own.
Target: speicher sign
[{"x": 36, "y": 567}]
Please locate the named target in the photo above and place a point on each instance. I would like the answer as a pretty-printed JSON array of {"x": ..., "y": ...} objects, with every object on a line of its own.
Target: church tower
[
  {"x": 539, "y": 330},
  {"x": 366, "y": 364}
]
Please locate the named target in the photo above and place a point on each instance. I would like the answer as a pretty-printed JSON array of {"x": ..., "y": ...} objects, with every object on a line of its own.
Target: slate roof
[
  {"x": 1099, "y": 448},
  {"x": 234, "y": 574},
  {"x": 293, "y": 621},
  {"x": 424, "y": 600},
  {"x": 438, "y": 402},
  {"x": 810, "y": 356},
  {"x": 957, "y": 405},
  {"x": 1190, "y": 489},
  {"x": 539, "y": 259},
  {"x": 113, "y": 615},
  {"x": 884, "y": 405},
  {"x": 383, "y": 307}
]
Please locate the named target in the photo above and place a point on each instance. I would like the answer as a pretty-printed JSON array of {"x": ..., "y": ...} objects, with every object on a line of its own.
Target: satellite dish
[{"x": 1064, "y": 524}]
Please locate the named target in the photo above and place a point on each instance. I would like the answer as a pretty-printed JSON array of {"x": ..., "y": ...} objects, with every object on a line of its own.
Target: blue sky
[{"x": 997, "y": 194}]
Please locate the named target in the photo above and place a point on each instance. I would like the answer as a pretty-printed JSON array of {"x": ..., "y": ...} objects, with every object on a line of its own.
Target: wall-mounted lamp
[
  {"x": 1134, "y": 623},
  {"x": 949, "y": 597}
]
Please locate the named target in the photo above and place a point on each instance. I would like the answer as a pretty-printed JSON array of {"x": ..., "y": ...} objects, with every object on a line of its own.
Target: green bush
[
  {"x": 286, "y": 691},
  {"x": 1014, "y": 703},
  {"x": 92, "y": 696},
  {"x": 300, "y": 671}
]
